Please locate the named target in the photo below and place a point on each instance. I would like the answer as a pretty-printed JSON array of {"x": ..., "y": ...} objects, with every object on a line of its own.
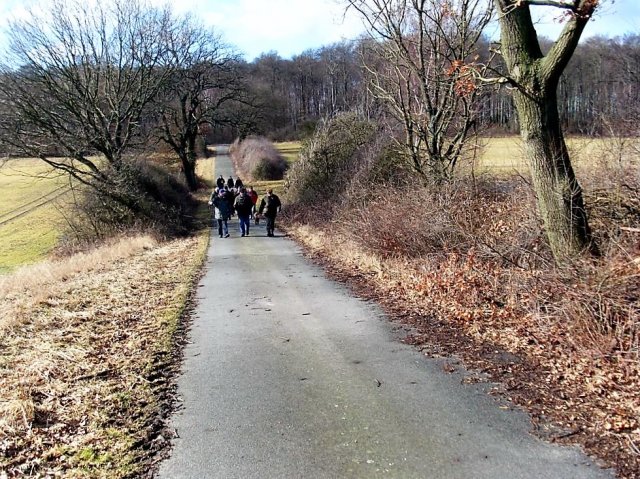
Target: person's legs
[
  {"x": 226, "y": 228},
  {"x": 220, "y": 228},
  {"x": 244, "y": 225},
  {"x": 270, "y": 225}
]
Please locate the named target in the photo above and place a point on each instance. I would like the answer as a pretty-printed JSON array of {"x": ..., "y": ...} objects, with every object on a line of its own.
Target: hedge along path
[{"x": 81, "y": 380}]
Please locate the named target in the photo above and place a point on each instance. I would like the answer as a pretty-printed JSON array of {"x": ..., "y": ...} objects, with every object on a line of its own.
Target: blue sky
[{"x": 291, "y": 26}]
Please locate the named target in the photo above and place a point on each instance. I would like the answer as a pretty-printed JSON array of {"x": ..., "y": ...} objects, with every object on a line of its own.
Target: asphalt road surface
[{"x": 289, "y": 376}]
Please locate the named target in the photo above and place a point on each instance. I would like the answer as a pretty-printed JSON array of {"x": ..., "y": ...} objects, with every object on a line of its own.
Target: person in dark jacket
[
  {"x": 269, "y": 207},
  {"x": 221, "y": 212},
  {"x": 230, "y": 182},
  {"x": 238, "y": 184},
  {"x": 230, "y": 197},
  {"x": 243, "y": 207},
  {"x": 220, "y": 182}
]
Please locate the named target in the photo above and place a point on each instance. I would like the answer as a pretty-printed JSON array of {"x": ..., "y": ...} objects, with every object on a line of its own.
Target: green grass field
[
  {"x": 30, "y": 237},
  {"x": 505, "y": 155}
]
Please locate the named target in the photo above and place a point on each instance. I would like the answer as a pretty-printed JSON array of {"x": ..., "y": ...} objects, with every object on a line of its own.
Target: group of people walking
[{"x": 231, "y": 197}]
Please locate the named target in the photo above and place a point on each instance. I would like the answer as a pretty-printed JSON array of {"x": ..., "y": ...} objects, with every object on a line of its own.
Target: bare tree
[
  {"x": 423, "y": 68},
  {"x": 534, "y": 78},
  {"x": 77, "y": 83},
  {"x": 206, "y": 78}
]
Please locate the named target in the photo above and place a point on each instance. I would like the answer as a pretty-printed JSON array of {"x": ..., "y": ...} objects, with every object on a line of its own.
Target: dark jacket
[
  {"x": 270, "y": 205},
  {"x": 243, "y": 204},
  {"x": 222, "y": 210}
]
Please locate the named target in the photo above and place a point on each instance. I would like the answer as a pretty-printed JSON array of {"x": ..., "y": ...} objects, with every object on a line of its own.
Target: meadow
[
  {"x": 30, "y": 219},
  {"x": 30, "y": 230}
]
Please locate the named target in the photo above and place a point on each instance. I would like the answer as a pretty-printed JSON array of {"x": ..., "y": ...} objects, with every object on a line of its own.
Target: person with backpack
[
  {"x": 243, "y": 207},
  {"x": 269, "y": 207},
  {"x": 221, "y": 212}
]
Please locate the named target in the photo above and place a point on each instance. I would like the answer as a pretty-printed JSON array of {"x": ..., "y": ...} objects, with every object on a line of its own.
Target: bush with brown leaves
[{"x": 257, "y": 158}]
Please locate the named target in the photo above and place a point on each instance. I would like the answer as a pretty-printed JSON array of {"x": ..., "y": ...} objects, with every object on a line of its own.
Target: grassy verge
[
  {"x": 88, "y": 350},
  {"x": 85, "y": 357}
]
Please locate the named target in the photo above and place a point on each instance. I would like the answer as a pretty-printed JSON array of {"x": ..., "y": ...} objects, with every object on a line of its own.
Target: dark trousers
[
  {"x": 271, "y": 225},
  {"x": 222, "y": 227}
]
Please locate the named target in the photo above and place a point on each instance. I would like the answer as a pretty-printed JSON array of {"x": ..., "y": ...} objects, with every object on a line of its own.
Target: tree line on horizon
[{"x": 598, "y": 94}]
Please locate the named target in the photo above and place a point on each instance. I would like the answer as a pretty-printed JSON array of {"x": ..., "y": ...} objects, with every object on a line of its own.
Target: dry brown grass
[
  {"x": 33, "y": 284},
  {"x": 84, "y": 345}
]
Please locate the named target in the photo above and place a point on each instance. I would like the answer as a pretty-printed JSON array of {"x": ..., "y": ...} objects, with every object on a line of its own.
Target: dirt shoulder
[
  {"x": 573, "y": 395},
  {"x": 87, "y": 352}
]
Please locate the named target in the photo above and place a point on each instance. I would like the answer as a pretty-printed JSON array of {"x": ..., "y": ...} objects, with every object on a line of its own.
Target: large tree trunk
[
  {"x": 558, "y": 192},
  {"x": 189, "y": 169},
  {"x": 535, "y": 78}
]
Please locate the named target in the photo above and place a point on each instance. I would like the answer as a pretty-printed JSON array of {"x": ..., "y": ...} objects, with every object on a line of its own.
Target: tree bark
[
  {"x": 189, "y": 163},
  {"x": 535, "y": 78},
  {"x": 558, "y": 192}
]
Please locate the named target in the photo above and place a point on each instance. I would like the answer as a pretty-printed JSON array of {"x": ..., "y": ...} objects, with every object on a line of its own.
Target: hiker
[
  {"x": 221, "y": 212},
  {"x": 230, "y": 196},
  {"x": 238, "y": 184},
  {"x": 269, "y": 206},
  {"x": 230, "y": 182},
  {"x": 254, "y": 200},
  {"x": 220, "y": 182},
  {"x": 243, "y": 206}
]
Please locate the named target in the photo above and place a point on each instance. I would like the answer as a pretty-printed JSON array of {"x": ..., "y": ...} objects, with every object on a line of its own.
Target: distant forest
[{"x": 599, "y": 93}]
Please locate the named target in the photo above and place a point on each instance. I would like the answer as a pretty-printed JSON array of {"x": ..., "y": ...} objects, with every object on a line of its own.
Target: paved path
[{"x": 289, "y": 376}]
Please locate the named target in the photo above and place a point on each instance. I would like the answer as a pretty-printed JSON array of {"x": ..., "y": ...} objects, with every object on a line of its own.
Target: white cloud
[
  {"x": 286, "y": 26},
  {"x": 292, "y": 26}
]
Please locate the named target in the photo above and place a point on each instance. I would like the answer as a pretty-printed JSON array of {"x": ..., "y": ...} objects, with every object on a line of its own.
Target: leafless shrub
[
  {"x": 599, "y": 305},
  {"x": 339, "y": 149},
  {"x": 257, "y": 158},
  {"x": 144, "y": 197},
  {"x": 496, "y": 219}
]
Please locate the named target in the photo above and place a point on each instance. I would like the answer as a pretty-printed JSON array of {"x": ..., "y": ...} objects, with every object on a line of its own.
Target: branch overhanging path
[{"x": 288, "y": 375}]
